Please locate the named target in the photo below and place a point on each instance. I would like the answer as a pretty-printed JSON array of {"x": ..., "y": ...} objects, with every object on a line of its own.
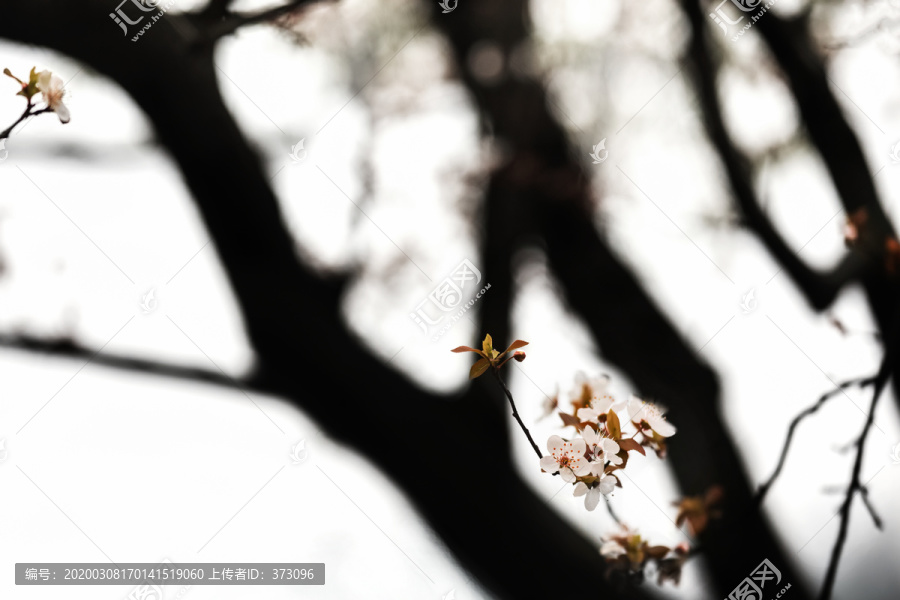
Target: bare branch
[
  {"x": 819, "y": 289},
  {"x": 764, "y": 488},
  {"x": 856, "y": 485},
  {"x": 68, "y": 348}
]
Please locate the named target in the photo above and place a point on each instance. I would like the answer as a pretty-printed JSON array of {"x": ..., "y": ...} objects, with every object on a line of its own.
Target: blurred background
[{"x": 100, "y": 242}]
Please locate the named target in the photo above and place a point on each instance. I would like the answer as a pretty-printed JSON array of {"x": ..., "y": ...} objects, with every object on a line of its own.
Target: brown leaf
[
  {"x": 516, "y": 345},
  {"x": 568, "y": 419},
  {"x": 479, "y": 368},
  {"x": 612, "y": 425},
  {"x": 466, "y": 349},
  {"x": 629, "y": 444}
]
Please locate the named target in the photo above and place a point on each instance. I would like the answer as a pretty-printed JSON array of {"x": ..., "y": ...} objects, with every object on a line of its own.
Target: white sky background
[{"x": 149, "y": 468}]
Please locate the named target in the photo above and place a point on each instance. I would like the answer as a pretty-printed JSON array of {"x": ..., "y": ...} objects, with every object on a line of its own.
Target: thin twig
[
  {"x": 764, "y": 488},
  {"x": 864, "y": 492},
  {"x": 612, "y": 512},
  {"x": 8, "y": 131},
  {"x": 856, "y": 486},
  {"x": 515, "y": 412}
]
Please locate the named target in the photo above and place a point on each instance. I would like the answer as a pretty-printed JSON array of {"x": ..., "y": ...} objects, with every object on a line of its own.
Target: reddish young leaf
[
  {"x": 629, "y": 444},
  {"x": 515, "y": 345},
  {"x": 466, "y": 349},
  {"x": 479, "y": 368}
]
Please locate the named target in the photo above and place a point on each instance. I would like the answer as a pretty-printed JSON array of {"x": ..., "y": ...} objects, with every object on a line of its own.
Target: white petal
[
  {"x": 590, "y": 436},
  {"x": 610, "y": 447},
  {"x": 549, "y": 465},
  {"x": 662, "y": 427},
  {"x": 555, "y": 444},
  {"x": 62, "y": 111},
  {"x": 577, "y": 448},
  {"x": 602, "y": 404},
  {"x": 43, "y": 82},
  {"x": 614, "y": 460},
  {"x": 580, "y": 489},
  {"x": 583, "y": 468},
  {"x": 607, "y": 485},
  {"x": 567, "y": 475},
  {"x": 635, "y": 408},
  {"x": 592, "y": 499},
  {"x": 586, "y": 414},
  {"x": 597, "y": 468}
]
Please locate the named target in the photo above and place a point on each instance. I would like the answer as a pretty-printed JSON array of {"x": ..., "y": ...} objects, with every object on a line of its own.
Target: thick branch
[
  {"x": 294, "y": 325},
  {"x": 819, "y": 289},
  {"x": 542, "y": 197}
]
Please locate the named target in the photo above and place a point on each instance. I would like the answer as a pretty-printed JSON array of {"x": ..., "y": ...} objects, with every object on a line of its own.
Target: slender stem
[
  {"x": 612, "y": 512},
  {"x": 6, "y": 132},
  {"x": 25, "y": 115},
  {"x": 856, "y": 486},
  {"x": 515, "y": 412},
  {"x": 764, "y": 488}
]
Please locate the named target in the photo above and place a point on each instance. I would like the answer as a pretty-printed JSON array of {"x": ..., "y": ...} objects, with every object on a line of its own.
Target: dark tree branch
[
  {"x": 819, "y": 289},
  {"x": 293, "y": 320},
  {"x": 856, "y": 484},
  {"x": 542, "y": 197},
  {"x": 68, "y": 348},
  {"x": 764, "y": 488},
  {"x": 229, "y": 22}
]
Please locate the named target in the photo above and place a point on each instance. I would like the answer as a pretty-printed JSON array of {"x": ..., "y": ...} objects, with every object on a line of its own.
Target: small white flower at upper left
[
  {"x": 567, "y": 458},
  {"x": 53, "y": 88}
]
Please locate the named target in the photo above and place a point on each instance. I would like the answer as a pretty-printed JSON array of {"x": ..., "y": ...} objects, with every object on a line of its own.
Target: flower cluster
[
  {"x": 627, "y": 556},
  {"x": 591, "y": 460}
]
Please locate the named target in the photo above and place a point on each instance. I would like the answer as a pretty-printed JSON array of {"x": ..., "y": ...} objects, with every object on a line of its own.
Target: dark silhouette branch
[
  {"x": 856, "y": 484},
  {"x": 229, "y": 22},
  {"x": 541, "y": 198},
  {"x": 766, "y": 486},
  {"x": 69, "y": 348},
  {"x": 820, "y": 289},
  {"x": 293, "y": 318}
]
